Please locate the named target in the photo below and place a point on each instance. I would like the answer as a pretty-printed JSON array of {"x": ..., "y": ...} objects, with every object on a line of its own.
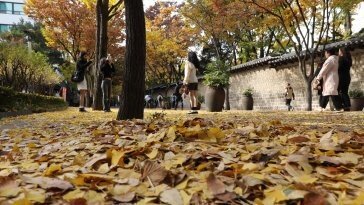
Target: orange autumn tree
[
  {"x": 168, "y": 39},
  {"x": 70, "y": 26}
]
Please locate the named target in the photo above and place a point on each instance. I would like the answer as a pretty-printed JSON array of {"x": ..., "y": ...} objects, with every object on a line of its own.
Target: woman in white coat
[{"x": 329, "y": 74}]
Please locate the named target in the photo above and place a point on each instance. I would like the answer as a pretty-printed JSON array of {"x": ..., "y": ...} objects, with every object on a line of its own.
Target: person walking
[
  {"x": 160, "y": 101},
  {"x": 82, "y": 67},
  {"x": 148, "y": 101},
  {"x": 107, "y": 69},
  {"x": 177, "y": 96},
  {"x": 345, "y": 63},
  {"x": 190, "y": 79},
  {"x": 329, "y": 74},
  {"x": 289, "y": 96}
]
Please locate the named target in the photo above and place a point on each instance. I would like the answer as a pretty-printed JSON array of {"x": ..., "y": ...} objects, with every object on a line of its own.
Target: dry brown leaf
[
  {"x": 172, "y": 197},
  {"x": 215, "y": 185},
  {"x": 47, "y": 183},
  {"x": 51, "y": 170},
  {"x": 128, "y": 197},
  {"x": 9, "y": 188},
  {"x": 314, "y": 198},
  {"x": 153, "y": 172}
]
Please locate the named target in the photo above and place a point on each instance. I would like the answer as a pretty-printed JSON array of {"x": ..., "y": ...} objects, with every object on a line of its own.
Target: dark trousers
[
  {"x": 106, "y": 93},
  {"x": 335, "y": 99},
  {"x": 176, "y": 100},
  {"x": 343, "y": 92},
  {"x": 288, "y": 103}
]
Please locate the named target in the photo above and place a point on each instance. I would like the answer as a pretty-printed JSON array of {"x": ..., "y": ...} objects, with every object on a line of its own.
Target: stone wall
[{"x": 269, "y": 85}]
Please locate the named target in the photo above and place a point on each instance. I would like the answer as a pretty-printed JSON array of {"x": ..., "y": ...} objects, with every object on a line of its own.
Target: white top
[
  {"x": 329, "y": 73},
  {"x": 190, "y": 73}
]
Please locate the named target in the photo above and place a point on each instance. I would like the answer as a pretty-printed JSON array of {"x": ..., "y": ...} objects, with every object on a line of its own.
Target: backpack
[{"x": 77, "y": 76}]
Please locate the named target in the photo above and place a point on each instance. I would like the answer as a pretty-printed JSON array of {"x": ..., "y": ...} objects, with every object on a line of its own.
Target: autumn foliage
[
  {"x": 70, "y": 25},
  {"x": 231, "y": 158}
]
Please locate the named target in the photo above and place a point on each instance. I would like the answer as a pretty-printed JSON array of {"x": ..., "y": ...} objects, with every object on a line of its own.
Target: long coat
[{"x": 329, "y": 73}]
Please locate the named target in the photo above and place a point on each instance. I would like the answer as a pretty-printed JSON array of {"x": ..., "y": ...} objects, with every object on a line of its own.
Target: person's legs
[
  {"x": 345, "y": 95},
  {"x": 82, "y": 100},
  {"x": 336, "y": 101},
  {"x": 288, "y": 103},
  {"x": 193, "y": 99},
  {"x": 104, "y": 94},
  {"x": 324, "y": 101},
  {"x": 109, "y": 95}
]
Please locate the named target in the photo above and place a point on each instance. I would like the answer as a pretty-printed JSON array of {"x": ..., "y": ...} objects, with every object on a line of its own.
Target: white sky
[{"x": 358, "y": 22}]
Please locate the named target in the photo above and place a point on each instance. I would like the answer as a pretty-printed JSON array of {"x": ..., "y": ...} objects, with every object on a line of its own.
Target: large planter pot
[
  {"x": 214, "y": 98},
  {"x": 247, "y": 103},
  {"x": 357, "y": 104}
]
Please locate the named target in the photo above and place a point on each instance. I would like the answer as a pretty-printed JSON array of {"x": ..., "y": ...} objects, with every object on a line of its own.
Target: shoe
[
  {"x": 339, "y": 111},
  {"x": 107, "y": 110},
  {"x": 192, "y": 112},
  {"x": 81, "y": 109},
  {"x": 320, "y": 109}
]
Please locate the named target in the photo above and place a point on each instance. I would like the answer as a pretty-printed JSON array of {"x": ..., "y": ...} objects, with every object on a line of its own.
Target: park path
[{"x": 171, "y": 157}]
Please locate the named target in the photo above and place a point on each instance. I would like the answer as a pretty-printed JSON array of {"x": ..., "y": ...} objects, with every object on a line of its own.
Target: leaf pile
[{"x": 253, "y": 159}]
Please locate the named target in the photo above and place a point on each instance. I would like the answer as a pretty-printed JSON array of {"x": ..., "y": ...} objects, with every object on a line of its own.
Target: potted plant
[
  {"x": 247, "y": 100},
  {"x": 216, "y": 78},
  {"x": 356, "y": 99}
]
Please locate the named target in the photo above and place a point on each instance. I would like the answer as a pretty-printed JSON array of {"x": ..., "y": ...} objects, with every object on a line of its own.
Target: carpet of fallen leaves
[{"x": 174, "y": 158}]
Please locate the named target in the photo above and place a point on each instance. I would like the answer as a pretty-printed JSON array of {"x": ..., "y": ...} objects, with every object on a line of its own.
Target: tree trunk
[
  {"x": 348, "y": 23},
  {"x": 309, "y": 95},
  {"x": 102, "y": 15},
  {"x": 132, "y": 101},
  {"x": 308, "y": 81},
  {"x": 227, "y": 101}
]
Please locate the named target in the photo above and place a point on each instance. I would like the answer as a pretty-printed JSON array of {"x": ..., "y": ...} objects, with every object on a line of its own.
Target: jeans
[
  {"x": 335, "y": 99},
  {"x": 106, "y": 93}
]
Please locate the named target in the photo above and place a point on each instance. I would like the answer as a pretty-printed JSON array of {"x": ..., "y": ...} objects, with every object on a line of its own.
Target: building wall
[
  {"x": 10, "y": 19},
  {"x": 269, "y": 85}
]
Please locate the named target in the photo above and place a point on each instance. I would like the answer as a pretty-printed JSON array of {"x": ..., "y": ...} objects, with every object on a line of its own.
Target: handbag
[
  {"x": 316, "y": 84},
  {"x": 185, "y": 89},
  {"x": 77, "y": 77}
]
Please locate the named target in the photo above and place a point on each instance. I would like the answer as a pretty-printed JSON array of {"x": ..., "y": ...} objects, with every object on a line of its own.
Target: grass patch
[{"x": 11, "y": 101}]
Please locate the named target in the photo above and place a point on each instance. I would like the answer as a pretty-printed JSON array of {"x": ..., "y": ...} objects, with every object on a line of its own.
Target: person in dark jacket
[
  {"x": 345, "y": 63},
  {"x": 82, "y": 66},
  {"x": 319, "y": 87},
  {"x": 107, "y": 69},
  {"x": 177, "y": 96}
]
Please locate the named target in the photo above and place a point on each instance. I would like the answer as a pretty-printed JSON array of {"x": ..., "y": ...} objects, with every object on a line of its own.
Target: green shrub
[
  {"x": 248, "y": 92},
  {"x": 216, "y": 74},
  {"x": 356, "y": 93},
  {"x": 11, "y": 101}
]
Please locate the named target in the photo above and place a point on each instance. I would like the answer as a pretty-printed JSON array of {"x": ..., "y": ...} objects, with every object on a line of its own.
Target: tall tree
[
  {"x": 68, "y": 25},
  {"x": 168, "y": 39},
  {"x": 104, "y": 13},
  {"x": 306, "y": 24},
  {"x": 132, "y": 95}
]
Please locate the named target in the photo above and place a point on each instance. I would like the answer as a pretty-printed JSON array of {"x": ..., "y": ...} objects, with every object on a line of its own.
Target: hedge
[{"x": 11, "y": 101}]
